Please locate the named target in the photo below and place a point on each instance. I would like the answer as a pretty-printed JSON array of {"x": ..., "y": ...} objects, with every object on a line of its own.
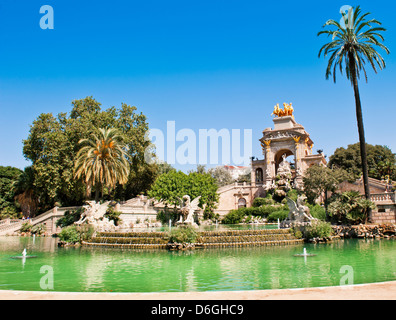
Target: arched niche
[
  {"x": 279, "y": 157},
  {"x": 241, "y": 203}
]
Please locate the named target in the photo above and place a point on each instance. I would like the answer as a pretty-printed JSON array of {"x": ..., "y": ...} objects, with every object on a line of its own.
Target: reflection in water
[{"x": 249, "y": 268}]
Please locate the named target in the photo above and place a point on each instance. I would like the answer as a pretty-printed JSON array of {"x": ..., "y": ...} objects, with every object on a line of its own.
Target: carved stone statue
[
  {"x": 94, "y": 215},
  {"x": 298, "y": 212},
  {"x": 284, "y": 167},
  {"x": 188, "y": 208}
]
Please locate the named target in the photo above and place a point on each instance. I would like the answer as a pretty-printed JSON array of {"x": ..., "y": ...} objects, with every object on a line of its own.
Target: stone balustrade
[{"x": 383, "y": 197}]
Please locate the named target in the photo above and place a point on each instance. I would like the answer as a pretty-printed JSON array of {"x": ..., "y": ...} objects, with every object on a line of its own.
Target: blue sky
[{"x": 203, "y": 64}]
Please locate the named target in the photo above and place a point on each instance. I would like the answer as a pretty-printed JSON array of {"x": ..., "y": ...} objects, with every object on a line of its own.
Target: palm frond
[{"x": 353, "y": 45}]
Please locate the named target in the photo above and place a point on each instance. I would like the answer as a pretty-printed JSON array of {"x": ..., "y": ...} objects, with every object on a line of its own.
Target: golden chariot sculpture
[{"x": 286, "y": 111}]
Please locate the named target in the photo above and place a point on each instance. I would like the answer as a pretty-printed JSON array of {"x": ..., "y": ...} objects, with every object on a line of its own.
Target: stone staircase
[
  {"x": 206, "y": 239},
  {"x": 9, "y": 226},
  {"x": 48, "y": 218}
]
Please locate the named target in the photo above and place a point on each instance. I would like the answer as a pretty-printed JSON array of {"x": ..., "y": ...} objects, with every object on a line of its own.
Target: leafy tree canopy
[
  {"x": 381, "y": 161},
  {"x": 8, "y": 179},
  {"x": 53, "y": 143},
  {"x": 175, "y": 184}
]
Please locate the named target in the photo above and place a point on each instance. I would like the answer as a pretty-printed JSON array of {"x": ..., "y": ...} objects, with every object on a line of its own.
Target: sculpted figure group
[{"x": 286, "y": 111}]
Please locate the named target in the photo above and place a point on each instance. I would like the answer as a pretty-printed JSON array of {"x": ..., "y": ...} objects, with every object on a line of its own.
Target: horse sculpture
[{"x": 286, "y": 111}]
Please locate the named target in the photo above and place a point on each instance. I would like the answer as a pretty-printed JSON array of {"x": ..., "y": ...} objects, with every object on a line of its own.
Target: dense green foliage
[
  {"x": 317, "y": 229},
  {"x": 70, "y": 217},
  {"x": 185, "y": 234},
  {"x": 101, "y": 161},
  {"x": 271, "y": 212},
  {"x": 318, "y": 180},
  {"x": 53, "y": 143},
  {"x": 37, "y": 229},
  {"x": 76, "y": 234},
  {"x": 9, "y": 177},
  {"x": 113, "y": 215},
  {"x": 317, "y": 211},
  {"x": 350, "y": 208},
  {"x": 380, "y": 159},
  {"x": 170, "y": 187}
]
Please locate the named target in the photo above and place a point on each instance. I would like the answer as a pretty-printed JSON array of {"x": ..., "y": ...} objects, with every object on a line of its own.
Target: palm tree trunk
[
  {"x": 362, "y": 139},
  {"x": 97, "y": 192}
]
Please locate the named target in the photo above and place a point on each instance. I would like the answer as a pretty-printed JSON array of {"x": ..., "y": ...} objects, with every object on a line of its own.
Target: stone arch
[
  {"x": 241, "y": 203},
  {"x": 278, "y": 157}
]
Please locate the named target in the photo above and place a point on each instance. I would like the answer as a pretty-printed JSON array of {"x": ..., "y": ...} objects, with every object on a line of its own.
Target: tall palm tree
[
  {"x": 101, "y": 161},
  {"x": 352, "y": 46}
]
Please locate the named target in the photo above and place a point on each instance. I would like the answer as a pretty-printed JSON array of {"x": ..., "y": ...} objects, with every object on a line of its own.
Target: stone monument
[
  {"x": 298, "y": 213},
  {"x": 94, "y": 216},
  {"x": 187, "y": 208}
]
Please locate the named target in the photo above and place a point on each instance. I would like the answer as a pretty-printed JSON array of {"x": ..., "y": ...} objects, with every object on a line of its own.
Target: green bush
[
  {"x": 183, "y": 235},
  {"x": 76, "y": 234},
  {"x": 318, "y": 229},
  {"x": 236, "y": 216},
  {"x": 38, "y": 229},
  {"x": 233, "y": 217},
  {"x": 168, "y": 214},
  {"x": 317, "y": 211},
  {"x": 114, "y": 215},
  {"x": 26, "y": 227},
  {"x": 258, "y": 202},
  {"x": 349, "y": 208},
  {"x": 70, "y": 217},
  {"x": 279, "y": 214}
]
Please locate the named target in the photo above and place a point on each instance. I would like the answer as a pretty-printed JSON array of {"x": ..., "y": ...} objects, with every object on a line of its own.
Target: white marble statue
[
  {"x": 188, "y": 208},
  {"x": 298, "y": 211},
  {"x": 94, "y": 215}
]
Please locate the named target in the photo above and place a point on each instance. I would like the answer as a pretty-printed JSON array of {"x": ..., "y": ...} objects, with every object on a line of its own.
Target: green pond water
[{"x": 249, "y": 268}]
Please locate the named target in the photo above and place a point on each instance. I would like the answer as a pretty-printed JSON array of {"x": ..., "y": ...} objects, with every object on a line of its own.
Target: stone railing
[
  {"x": 383, "y": 197},
  {"x": 10, "y": 225},
  {"x": 49, "y": 218}
]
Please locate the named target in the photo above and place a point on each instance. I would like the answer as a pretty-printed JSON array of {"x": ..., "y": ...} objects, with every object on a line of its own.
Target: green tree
[
  {"x": 101, "y": 161},
  {"x": 173, "y": 185},
  {"x": 319, "y": 180},
  {"x": 380, "y": 160},
  {"x": 349, "y": 207},
  {"x": 351, "y": 47},
  {"x": 8, "y": 179},
  {"x": 25, "y": 193},
  {"x": 53, "y": 144}
]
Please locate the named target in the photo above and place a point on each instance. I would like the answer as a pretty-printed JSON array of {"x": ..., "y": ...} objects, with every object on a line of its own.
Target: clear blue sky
[{"x": 204, "y": 64}]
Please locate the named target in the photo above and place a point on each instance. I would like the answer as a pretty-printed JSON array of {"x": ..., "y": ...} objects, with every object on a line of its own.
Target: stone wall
[
  {"x": 366, "y": 231},
  {"x": 385, "y": 213}
]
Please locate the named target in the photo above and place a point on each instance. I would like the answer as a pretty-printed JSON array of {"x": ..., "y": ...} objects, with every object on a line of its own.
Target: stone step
[{"x": 247, "y": 238}]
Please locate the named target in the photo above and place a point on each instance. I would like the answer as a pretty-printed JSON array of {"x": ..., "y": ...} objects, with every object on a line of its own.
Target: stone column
[
  {"x": 267, "y": 149},
  {"x": 298, "y": 160}
]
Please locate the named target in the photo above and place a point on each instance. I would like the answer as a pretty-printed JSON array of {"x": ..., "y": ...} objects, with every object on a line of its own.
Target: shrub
[
  {"x": 279, "y": 214},
  {"x": 76, "y": 234},
  {"x": 168, "y": 214},
  {"x": 350, "y": 208},
  {"x": 234, "y": 217},
  {"x": 26, "y": 227},
  {"x": 70, "y": 217},
  {"x": 318, "y": 229},
  {"x": 183, "y": 235},
  {"x": 317, "y": 211},
  {"x": 38, "y": 229},
  {"x": 111, "y": 214},
  {"x": 70, "y": 235},
  {"x": 258, "y": 202}
]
